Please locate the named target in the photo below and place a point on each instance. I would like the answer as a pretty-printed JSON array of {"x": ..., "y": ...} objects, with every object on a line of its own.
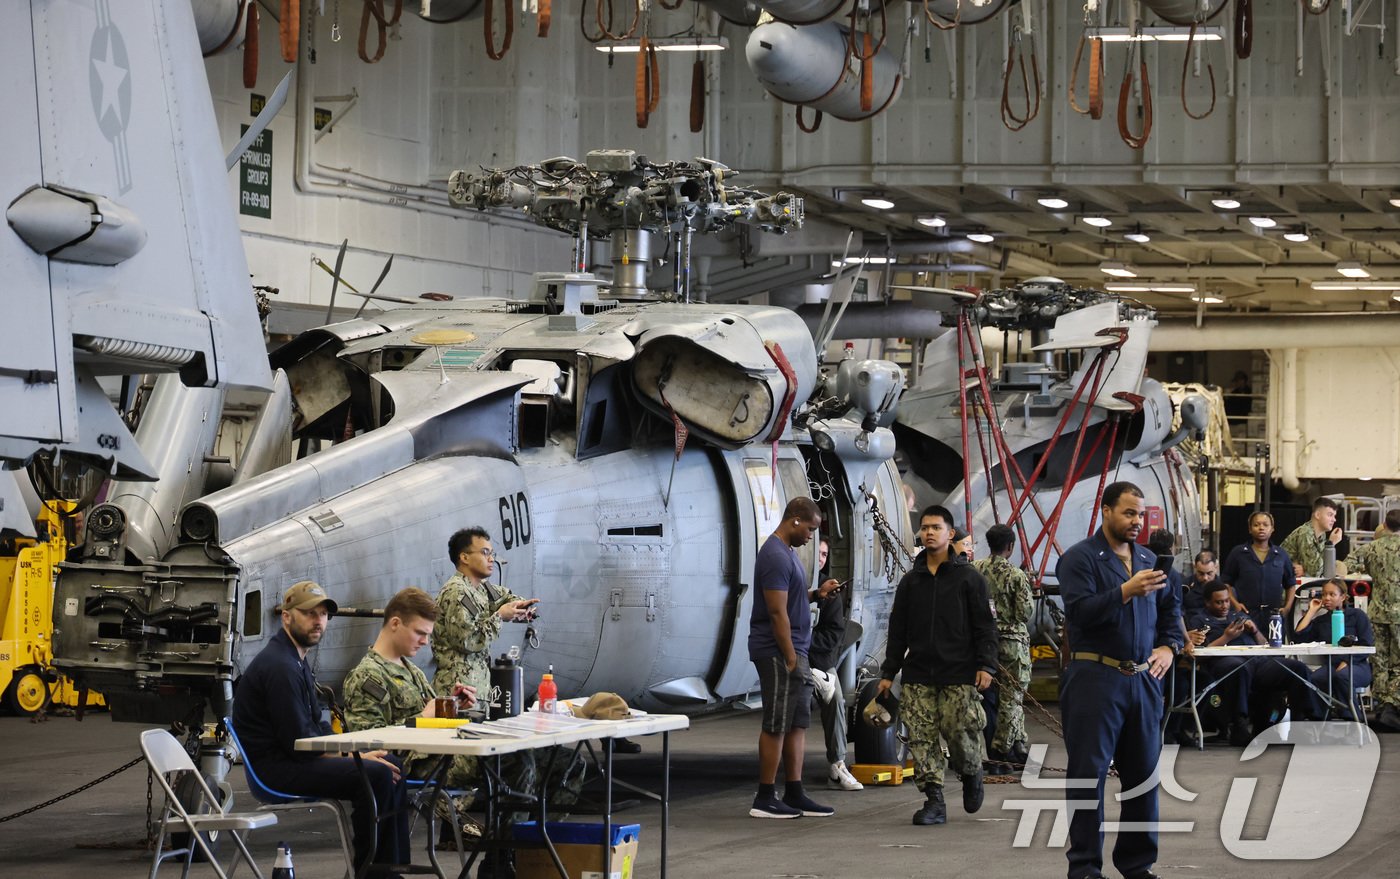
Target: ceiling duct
[
  {"x": 1249, "y": 332},
  {"x": 879, "y": 320}
]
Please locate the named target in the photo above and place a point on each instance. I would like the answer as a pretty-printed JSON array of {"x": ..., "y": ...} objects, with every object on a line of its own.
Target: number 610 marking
[{"x": 515, "y": 520}]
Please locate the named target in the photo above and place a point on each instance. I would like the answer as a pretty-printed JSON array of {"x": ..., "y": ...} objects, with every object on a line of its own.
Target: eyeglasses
[{"x": 488, "y": 552}]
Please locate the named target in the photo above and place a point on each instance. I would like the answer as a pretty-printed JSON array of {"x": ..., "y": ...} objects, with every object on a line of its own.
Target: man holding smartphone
[
  {"x": 1123, "y": 629},
  {"x": 471, "y": 611}
]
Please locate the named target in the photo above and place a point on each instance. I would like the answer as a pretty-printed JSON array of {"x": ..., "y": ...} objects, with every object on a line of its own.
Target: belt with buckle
[{"x": 1122, "y": 665}]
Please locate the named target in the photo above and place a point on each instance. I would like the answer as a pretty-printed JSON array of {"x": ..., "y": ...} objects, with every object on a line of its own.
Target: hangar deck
[{"x": 712, "y": 835}]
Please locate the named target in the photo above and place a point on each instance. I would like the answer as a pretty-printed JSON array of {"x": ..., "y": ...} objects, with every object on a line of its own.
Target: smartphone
[{"x": 1165, "y": 563}]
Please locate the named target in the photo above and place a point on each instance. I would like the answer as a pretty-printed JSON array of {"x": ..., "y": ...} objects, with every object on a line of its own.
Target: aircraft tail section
[{"x": 120, "y": 251}]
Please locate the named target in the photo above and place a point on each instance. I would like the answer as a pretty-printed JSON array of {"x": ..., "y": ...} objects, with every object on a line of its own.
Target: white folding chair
[{"x": 167, "y": 757}]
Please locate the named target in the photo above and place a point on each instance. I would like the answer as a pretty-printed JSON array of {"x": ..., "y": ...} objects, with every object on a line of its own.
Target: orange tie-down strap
[
  {"x": 648, "y": 82},
  {"x": 697, "y": 96},
  {"x": 290, "y": 28},
  {"x": 542, "y": 22},
  {"x": 382, "y": 23},
  {"x": 490, "y": 26},
  {"x": 250, "y": 49},
  {"x": 1136, "y": 141},
  {"x": 1095, "y": 108}
]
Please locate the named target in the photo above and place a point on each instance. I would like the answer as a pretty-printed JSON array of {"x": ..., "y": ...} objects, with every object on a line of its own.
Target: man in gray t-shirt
[{"x": 780, "y": 630}]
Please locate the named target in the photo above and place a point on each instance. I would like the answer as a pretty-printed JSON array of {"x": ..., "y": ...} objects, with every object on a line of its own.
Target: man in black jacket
[{"x": 944, "y": 639}]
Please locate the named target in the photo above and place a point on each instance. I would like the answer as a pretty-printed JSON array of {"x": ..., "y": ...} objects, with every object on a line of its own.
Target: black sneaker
[
  {"x": 807, "y": 806},
  {"x": 772, "y": 807}
]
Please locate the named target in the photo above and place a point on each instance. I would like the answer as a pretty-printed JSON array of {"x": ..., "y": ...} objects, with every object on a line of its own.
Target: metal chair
[
  {"x": 275, "y": 801},
  {"x": 166, "y": 757}
]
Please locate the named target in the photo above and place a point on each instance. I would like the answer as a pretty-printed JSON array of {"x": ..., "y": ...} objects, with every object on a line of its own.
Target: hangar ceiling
[{"x": 1228, "y": 253}]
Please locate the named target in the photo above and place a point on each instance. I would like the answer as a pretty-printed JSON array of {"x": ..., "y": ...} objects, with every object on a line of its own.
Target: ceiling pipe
[
  {"x": 878, "y": 320},
  {"x": 1288, "y": 433},
  {"x": 1249, "y": 332}
]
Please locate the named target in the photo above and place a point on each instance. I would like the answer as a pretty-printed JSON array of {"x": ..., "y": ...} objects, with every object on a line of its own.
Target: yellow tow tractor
[{"x": 27, "y": 565}]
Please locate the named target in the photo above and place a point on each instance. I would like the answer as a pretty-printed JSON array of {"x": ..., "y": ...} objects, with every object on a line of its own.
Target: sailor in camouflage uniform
[
  {"x": 1010, "y": 590},
  {"x": 386, "y": 688},
  {"x": 1381, "y": 559},
  {"x": 1304, "y": 544},
  {"x": 471, "y": 611},
  {"x": 943, "y": 642}
]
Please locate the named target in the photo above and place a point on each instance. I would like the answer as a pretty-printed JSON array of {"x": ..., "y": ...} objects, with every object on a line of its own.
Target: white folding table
[{"x": 526, "y": 732}]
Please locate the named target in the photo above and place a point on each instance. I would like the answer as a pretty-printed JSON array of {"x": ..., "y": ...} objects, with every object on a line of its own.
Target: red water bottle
[{"x": 549, "y": 693}]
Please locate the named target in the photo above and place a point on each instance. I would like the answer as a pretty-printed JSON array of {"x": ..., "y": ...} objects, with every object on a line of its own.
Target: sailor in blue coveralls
[{"x": 1124, "y": 631}]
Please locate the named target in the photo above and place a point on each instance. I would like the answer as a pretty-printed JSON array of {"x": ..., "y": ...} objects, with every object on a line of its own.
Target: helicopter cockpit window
[{"x": 252, "y": 613}]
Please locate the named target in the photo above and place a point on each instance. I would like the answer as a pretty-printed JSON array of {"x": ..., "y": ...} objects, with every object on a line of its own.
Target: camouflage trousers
[
  {"x": 1385, "y": 665},
  {"x": 521, "y": 772},
  {"x": 1012, "y": 680},
  {"x": 953, "y": 712}
]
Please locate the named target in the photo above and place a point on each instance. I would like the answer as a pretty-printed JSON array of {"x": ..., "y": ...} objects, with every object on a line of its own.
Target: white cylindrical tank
[
  {"x": 215, "y": 22},
  {"x": 802, "y": 11},
  {"x": 811, "y": 66},
  {"x": 966, "y": 11},
  {"x": 1183, "y": 12}
]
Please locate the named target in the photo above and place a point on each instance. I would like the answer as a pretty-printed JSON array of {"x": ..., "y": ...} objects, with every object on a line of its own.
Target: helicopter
[
  {"x": 1033, "y": 401},
  {"x": 627, "y": 450}
]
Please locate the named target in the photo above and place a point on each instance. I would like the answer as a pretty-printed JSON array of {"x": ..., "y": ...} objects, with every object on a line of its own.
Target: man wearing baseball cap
[{"x": 275, "y": 704}]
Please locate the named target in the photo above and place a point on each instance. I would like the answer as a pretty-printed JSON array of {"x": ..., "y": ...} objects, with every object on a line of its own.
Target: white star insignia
[{"x": 112, "y": 78}]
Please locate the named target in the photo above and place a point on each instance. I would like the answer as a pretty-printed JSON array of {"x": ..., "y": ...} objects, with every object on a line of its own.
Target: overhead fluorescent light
[
  {"x": 1101, "y": 222},
  {"x": 1173, "y": 288},
  {"x": 666, "y": 44},
  {"x": 1206, "y": 299},
  {"x": 1138, "y": 237},
  {"x": 869, "y": 260},
  {"x": 1226, "y": 203},
  {"x": 1263, "y": 222},
  {"x": 1395, "y": 202},
  {"x": 981, "y": 237},
  {"x": 1053, "y": 202},
  {"x": 880, "y": 204},
  {"x": 1127, "y": 288},
  {"x": 1296, "y": 235},
  {"x": 1150, "y": 288},
  {"x": 1161, "y": 33},
  {"x": 933, "y": 222},
  {"x": 1117, "y": 270},
  {"x": 1373, "y": 286},
  {"x": 1352, "y": 269}
]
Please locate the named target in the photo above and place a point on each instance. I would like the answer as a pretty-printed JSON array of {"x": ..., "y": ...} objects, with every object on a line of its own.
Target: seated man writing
[
  {"x": 386, "y": 689},
  {"x": 275, "y": 704}
]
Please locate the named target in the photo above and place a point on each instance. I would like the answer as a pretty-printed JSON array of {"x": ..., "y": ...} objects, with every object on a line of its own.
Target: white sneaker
[
  {"x": 824, "y": 686},
  {"x": 840, "y": 778}
]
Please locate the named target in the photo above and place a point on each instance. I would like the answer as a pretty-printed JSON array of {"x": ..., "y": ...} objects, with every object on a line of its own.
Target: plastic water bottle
[
  {"x": 282, "y": 868},
  {"x": 1338, "y": 625},
  {"x": 1276, "y": 629},
  {"x": 549, "y": 693},
  {"x": 1329, "y": 560}
]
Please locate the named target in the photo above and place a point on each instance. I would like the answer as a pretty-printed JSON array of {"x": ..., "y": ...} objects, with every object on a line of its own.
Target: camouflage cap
[{"x": 306, "y": 595}]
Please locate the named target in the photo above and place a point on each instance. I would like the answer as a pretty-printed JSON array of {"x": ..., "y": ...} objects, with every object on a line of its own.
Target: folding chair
[
  {"x": 166, "y": 756},
  {"x": 275, "y": 801}
]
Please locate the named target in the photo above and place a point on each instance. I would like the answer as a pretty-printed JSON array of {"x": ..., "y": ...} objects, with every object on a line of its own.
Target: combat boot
[
  {"x": 1388, "y": 718},
  {"x": 933, "y": 810},
  {"x": 972, "y": 792}
]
